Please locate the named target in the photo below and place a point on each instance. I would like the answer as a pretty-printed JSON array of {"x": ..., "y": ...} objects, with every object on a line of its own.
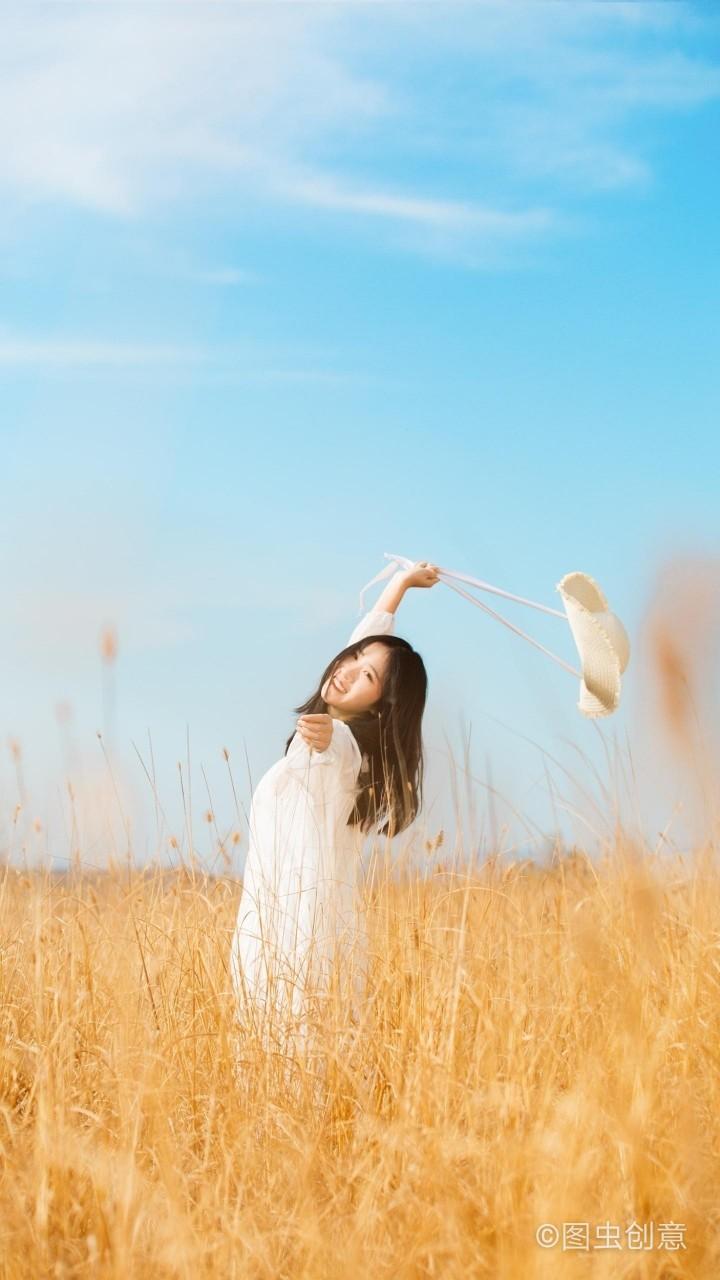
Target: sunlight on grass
[
  {"x": 538, "y": 1050},
  {"x": 540, "y": 1044}
]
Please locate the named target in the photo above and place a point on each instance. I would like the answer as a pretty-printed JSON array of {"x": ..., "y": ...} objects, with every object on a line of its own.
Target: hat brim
[{"x": 601, "y": 659}]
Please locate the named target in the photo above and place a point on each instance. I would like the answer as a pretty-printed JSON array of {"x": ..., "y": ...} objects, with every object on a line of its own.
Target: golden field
[{"x": 541, "y": 1045}]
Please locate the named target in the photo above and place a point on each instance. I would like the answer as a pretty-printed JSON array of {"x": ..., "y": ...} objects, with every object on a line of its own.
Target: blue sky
[{"x": 285, "y": 287}]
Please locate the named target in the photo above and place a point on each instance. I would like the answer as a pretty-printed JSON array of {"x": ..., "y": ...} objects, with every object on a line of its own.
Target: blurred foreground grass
[{"x": 540, "y": 1045}]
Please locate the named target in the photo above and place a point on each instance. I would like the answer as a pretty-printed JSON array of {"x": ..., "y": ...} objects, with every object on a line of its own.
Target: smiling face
[{"x": 357, "y": 682}]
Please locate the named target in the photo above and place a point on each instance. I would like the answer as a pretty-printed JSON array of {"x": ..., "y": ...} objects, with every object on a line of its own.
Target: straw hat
[{"x": 601, "y": 641}]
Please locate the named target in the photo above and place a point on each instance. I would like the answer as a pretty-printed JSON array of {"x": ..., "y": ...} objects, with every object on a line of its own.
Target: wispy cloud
[
  {"x": 234, "y": 362},
  {"x": 324, "y": 192},
  {"x": 71, "y": 353},
  {"x": 116, "y": 109},
  {"x": 555, "y": 90},
  {"x": 121, "y": 111}
]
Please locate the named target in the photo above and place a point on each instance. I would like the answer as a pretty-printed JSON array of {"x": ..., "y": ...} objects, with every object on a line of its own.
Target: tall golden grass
[
  {"x": 539, "y": 1049},
  {"x": 540, "y": 1046}
]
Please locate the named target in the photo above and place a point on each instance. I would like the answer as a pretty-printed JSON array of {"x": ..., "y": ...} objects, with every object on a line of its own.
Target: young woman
[{"x": 353, "y": 765}]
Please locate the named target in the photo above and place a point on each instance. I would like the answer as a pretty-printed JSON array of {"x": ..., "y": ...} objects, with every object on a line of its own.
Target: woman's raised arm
[
  {"x": 381, "y": 619},
  {"x": 393, "y": 593}
]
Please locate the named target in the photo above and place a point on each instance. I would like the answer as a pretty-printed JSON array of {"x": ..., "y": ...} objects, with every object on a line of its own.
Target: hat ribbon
[{"x": 446, "y": 574}]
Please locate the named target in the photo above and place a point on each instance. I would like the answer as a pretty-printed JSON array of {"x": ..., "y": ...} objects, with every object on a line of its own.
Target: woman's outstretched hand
[
  {"x": 316, "y": 730},
  {"x": 422, "y": 574}
]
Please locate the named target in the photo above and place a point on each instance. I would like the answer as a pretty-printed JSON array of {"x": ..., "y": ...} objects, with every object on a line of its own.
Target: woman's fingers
[
  {"x": 315, "y": 744},
  {"x": 424, "y": 574},
  {"x": 315, "y": 730},
  {"x": 424, "y": 568}
]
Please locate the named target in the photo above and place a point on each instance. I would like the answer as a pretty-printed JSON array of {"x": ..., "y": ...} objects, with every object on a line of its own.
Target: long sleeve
[
  {"x": 320, "y": 789},
  {"x": 376, "y": 622},
  {"x": 342, "y": 757},
  {"x": 299, "y": 893}
]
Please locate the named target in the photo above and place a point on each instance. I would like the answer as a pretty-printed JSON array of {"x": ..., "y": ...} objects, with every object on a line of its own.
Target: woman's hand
[
  {"x": 422, "y": 574},
  {"x": 316, "y": 730}
]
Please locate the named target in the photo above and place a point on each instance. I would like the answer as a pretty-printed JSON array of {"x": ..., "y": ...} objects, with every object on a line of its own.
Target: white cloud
[
  {"x": 560, "y": 87},
  {"x": 118, "y": 111},
  {"x": 64, "y": 353},
  {"x": 116, "y": 108},
  {"x": 329, "y": 193},
  {"x": 230, "y": 362},
  {"x": 126, "y": 109}
]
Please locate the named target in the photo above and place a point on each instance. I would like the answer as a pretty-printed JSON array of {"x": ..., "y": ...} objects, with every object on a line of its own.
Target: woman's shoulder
[{"x": 376, "y": 622}]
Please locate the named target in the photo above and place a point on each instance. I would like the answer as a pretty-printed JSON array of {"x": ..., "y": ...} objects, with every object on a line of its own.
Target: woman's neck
[{"x": 337, "y": 715}]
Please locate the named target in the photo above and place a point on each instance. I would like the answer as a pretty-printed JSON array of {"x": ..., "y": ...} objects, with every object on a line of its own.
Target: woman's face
[{"x": 357, "y": 681}]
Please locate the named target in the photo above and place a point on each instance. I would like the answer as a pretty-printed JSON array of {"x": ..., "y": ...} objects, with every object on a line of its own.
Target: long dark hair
[{"x": 389, "y": 737}]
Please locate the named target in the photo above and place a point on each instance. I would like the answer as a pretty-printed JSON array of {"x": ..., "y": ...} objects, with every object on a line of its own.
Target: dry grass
[{"x": 541, "y": 1045}]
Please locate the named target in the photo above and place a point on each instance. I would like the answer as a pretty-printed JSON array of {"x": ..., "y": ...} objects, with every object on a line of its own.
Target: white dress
[{"x": 300, "y": 897}]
